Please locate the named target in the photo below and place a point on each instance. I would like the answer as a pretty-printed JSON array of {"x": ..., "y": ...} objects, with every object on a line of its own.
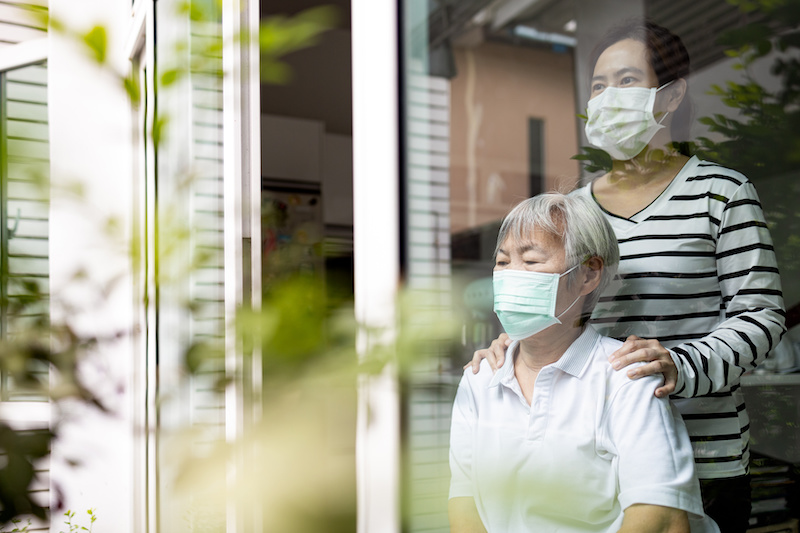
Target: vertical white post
[
  {"x": 376, "y": 248},
  {"x": 242, "y": 220}
]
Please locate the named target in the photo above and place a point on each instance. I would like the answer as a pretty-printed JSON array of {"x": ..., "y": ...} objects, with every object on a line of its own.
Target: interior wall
[{"x": 320, "y": 87}]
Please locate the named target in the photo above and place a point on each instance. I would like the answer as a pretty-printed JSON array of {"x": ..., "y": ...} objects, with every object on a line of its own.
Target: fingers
[
  {"x": 480, "y": 355},
  {"x": 477, "y": 357},
  {"x": 505, "y": 339},
  {"x": 666, "y": 390},
  {"x": 658, "y": 366},
  {"x": 670, "y": 381},
  {"x": 498, "y": 349},
  {"x": 494, "y": 354},
  {"x": 656, "y": 357},
  {"x": 637, "y": 350},
  {"x": 619, "y": 359}
]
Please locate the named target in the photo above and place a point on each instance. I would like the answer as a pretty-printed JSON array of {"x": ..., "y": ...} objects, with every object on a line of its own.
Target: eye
[
  {"x": 597, "y": 88},
  {"x": 500, "y": 263},
  {"x": 627, "y": 80}
]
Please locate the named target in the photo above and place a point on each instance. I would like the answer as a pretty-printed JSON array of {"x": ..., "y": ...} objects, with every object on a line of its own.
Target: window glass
[
  {"x": 187, "y": 217},
  {"x": 24, "y": 205},
  {"x": 494, "y": 102}
]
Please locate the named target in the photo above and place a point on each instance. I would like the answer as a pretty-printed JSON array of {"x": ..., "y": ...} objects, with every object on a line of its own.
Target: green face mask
[{"x": 525, "y": 302}]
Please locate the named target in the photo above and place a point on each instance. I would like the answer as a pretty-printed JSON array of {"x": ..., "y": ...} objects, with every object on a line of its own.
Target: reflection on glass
[
  {"x": 24, "y": 213},
  {"x": 495, "y": 98}
]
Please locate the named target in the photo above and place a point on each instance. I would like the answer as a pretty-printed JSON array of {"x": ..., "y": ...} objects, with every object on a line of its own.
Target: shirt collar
[{"x": 573, "y": 362}]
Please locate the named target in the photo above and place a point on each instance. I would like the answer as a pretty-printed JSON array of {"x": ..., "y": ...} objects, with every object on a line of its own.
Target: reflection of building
[
  {"x": 512, "y": 129},
  {"x": 488, "y": 118}
]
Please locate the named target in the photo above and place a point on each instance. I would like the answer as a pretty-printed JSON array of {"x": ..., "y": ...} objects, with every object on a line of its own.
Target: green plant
[
  {"x": 17, "y": 529},
  {"x": 73, "y": 527},
  {"x": 60, "y": 346}
]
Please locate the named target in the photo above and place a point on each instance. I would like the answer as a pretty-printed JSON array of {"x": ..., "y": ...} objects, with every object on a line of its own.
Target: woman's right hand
[{"x": 495, "y": 354}]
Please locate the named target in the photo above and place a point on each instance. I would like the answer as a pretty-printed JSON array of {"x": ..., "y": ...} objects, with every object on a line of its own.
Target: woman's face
[{"x": 623, "y": 64}]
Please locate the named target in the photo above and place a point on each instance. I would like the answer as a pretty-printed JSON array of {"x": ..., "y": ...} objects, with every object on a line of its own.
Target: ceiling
[{"x": 698, "y": 22}]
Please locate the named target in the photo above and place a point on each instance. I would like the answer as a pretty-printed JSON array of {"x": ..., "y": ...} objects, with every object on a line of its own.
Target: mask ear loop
[
  {"x": 573, "y": 302},
  {"x": 661, "y": 120},
  {"x": 567, "y": 309}
]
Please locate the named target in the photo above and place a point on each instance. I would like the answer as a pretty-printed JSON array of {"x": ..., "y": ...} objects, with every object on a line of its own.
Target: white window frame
[
  {"x": 241, "y": 125},
  {"x": 376, "y": 245},
  {"x": 140, "y": 52}
]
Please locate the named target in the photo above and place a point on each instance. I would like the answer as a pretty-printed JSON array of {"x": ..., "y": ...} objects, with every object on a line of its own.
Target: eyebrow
[
  {"x": 620, "y": 72},
  {"x": 522, "y": 249}
]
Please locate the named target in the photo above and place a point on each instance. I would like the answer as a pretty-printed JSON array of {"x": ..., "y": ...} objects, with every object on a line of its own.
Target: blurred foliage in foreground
[
  {"x": 294, "y": 458},
  {"x": 305, "y": 341}
]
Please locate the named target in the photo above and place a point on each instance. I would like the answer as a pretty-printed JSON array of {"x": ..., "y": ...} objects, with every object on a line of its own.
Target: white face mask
[
  {"x": 621, "y": 121},
  {"x": 525, "y": 302}
]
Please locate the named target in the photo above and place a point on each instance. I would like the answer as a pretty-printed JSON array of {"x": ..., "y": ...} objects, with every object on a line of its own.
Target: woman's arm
[
  {"x": 464, "y": 516},
  {"x": 752, "y": 303},
  {"x": 641, "y": 518}
]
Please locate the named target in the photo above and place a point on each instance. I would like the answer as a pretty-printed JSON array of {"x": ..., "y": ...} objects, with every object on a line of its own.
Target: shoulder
[
  {"x": 479, "y": 381},
  {"x": 711, "y": 175},
  {"x": 584, "y": 190},
  {"x": 618, "y": 379}
]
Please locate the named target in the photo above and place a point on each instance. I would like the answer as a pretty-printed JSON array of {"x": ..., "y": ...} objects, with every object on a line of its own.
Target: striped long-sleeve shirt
[{"x": 698, "y": 272}]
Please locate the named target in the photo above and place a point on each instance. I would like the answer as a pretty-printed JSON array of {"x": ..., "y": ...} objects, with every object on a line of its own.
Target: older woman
[
  {"x": 556, "y": 440},
  {"x": 699, "y": 298}
]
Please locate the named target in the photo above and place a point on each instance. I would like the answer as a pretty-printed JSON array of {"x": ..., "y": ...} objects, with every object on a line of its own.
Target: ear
[
  {"x": 676, "y": 92},
  {"x": 591, "y": 274}
]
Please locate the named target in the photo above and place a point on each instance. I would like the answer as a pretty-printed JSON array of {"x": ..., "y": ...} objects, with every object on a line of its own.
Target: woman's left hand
[{"x": 651, "y": 352}]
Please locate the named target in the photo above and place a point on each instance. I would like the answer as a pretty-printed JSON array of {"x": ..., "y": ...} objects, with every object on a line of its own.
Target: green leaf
[
  {"x": 276, "y": 72},
  {"x": 171, "y": 76},
  {"x": 157, "y": 132},
  {"x": 97, "y": 41},
  {"x": 281, "y": 35},
  {"x": 131, "y": 84},
  {"x": 595, "y": 158}
]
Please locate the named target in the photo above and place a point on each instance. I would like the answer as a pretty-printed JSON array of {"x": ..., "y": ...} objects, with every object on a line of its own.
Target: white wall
[{"x": 90, "y": 143}]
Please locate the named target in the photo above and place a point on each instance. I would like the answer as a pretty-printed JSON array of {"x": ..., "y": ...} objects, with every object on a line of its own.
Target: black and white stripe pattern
[{"x": 698, "y": 272}]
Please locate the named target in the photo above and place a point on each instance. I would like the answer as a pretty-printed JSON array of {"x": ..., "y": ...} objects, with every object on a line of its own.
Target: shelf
[{"x": 760, "y": 379}]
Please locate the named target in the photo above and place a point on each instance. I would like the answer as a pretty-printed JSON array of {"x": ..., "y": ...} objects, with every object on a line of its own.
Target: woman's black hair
[{"x": 666, "y": 54}]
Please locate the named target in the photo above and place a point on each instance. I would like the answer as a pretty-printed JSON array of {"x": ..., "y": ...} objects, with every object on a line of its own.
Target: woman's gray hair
[{"x": 578, "y": 221}]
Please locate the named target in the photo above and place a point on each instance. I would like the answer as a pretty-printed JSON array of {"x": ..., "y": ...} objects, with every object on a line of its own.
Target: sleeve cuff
[
  {"x": 665, "y": 497},
  {"x": 460, "y": 490},
  {"x": 680, "y": 384}
]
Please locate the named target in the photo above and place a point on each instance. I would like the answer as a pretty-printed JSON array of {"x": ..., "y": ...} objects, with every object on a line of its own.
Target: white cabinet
[
  {"x": 291, "y": 149},
  {"x": 299, "y": 151}
]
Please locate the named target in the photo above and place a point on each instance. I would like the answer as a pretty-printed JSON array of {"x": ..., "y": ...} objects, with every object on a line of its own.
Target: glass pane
[
  {"x": 25, "y": 209},
  {"x": 190, "y": 215},
  {"x": 494, "y": 98}
]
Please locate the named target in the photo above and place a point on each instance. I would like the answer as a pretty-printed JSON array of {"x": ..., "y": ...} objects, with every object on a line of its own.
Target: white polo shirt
[{"x": 592, "y": 443}]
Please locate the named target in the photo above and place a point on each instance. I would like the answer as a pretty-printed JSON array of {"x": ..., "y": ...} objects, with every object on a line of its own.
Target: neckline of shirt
[
  {"x": 573, "y": 361},
  {"x": 656, "y": 204}
]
